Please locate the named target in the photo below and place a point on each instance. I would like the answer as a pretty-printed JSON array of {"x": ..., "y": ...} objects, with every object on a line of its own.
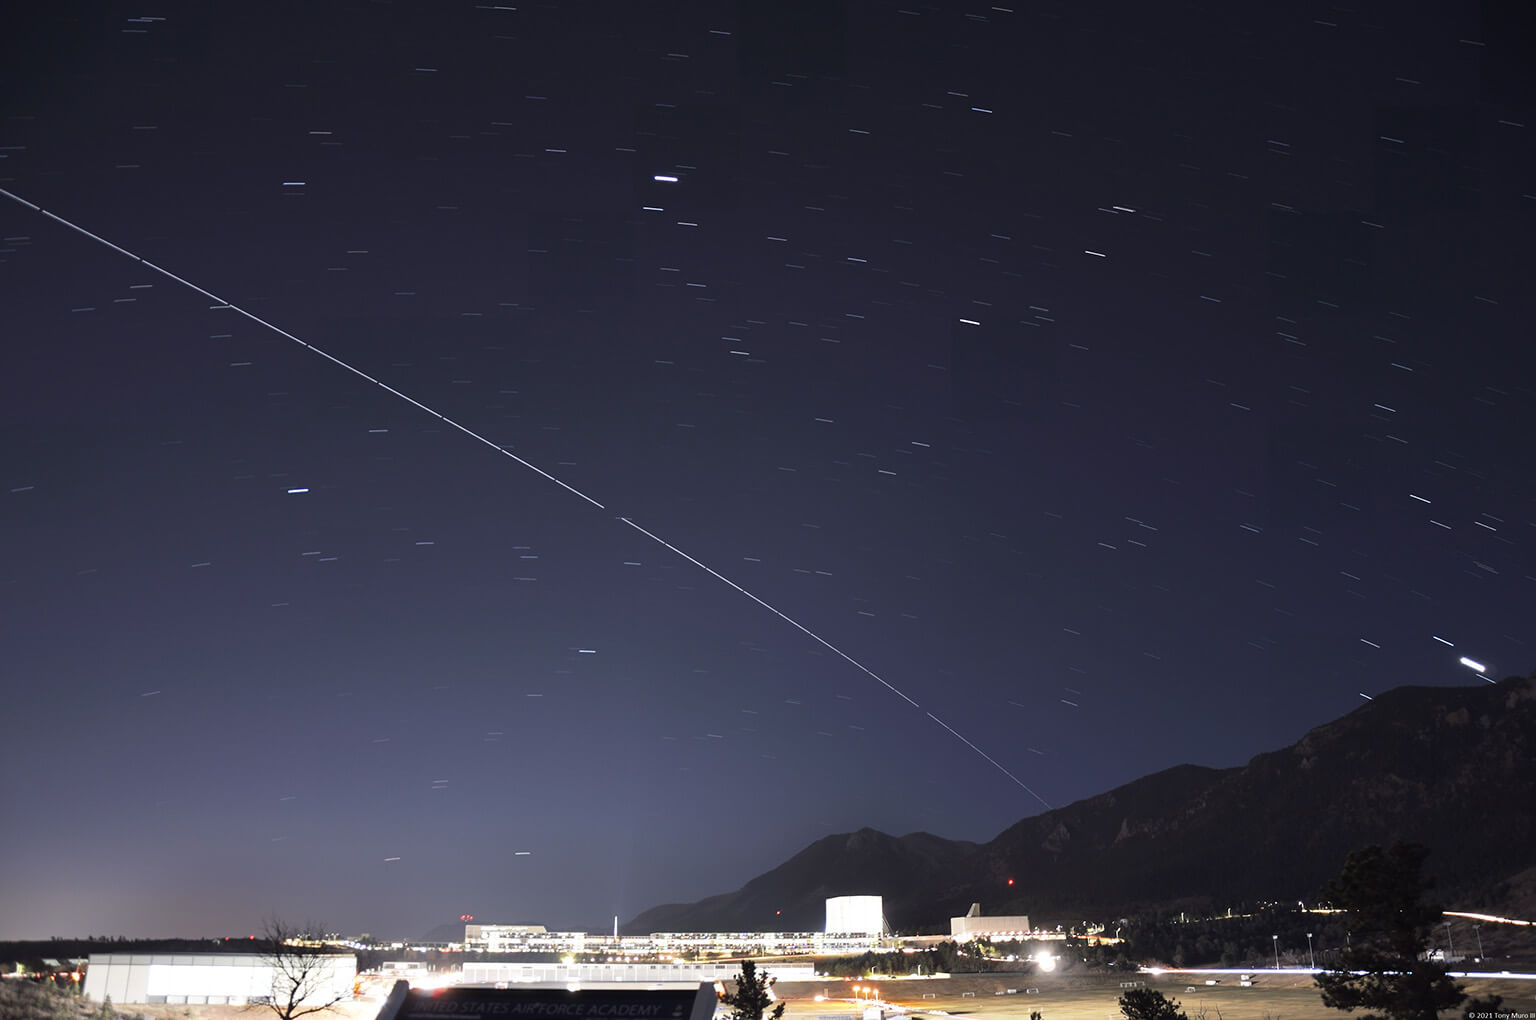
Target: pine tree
[
  {"x": 1387, "y": 968},
  {"x": 752, "y": 997},
  {"x": 1150, "y": 1004}
]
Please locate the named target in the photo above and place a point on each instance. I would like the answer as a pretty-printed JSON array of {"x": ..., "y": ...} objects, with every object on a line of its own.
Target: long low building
[
  {"x": 532, "y": 938},
  {"x": 622, "y": 973},
  {"x": 235, "y": 979}
]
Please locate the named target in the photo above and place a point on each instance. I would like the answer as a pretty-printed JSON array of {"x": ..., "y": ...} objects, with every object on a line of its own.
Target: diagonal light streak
[{"x": 221, "y": 304}]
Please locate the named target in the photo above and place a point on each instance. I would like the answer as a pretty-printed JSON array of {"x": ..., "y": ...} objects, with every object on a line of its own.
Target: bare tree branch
[{"x": 303, "y": 980}]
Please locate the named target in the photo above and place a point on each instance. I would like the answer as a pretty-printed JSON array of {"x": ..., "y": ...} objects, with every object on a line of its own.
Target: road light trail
[{"x": 221, "y": 303}]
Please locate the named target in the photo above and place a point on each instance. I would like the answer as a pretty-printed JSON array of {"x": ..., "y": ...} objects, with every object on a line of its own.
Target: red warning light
[
  {"x": 776, "y": 913},
  {"x": 1010, "y": 881},
  {"x": 466, "y": 917}
]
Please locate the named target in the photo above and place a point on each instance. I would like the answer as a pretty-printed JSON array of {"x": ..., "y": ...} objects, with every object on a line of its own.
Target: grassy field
[{"x": 1284, "y": 997}]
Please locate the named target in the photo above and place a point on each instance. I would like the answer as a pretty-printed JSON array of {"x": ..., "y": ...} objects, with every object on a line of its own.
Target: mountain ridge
[{"x": 1436, "y": 765}]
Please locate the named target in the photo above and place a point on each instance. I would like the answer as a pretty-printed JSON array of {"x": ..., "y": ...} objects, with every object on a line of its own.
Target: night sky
[{"x": 1122, "y": 384}]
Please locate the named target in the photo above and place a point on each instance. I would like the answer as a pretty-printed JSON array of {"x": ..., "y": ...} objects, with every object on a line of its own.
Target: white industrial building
[
  {"x": 856, "y": 915},
  {"x": 235, "y": 979},
  {"x": 973, "y": 925}
]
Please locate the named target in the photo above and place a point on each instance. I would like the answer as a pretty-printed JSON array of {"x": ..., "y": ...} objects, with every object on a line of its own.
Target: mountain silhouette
[{"x": 1453, "y": 768}]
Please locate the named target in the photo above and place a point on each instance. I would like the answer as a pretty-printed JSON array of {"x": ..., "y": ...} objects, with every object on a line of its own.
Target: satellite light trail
[{"x": 221, "y": 304}]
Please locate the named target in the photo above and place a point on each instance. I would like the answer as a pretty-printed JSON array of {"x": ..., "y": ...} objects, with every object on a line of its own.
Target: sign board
[{"x": 468, "y": 1003}]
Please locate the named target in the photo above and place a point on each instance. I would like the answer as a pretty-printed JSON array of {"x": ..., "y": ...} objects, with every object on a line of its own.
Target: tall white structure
[
  {"x": 234, "y": 979},
  {"x": 856, "y": 915}
]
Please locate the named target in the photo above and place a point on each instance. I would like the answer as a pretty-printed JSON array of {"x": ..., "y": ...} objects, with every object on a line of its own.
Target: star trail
[{"x": 941, "y": 411}]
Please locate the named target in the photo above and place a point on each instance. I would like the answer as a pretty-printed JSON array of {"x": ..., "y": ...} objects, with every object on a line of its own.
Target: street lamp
[
  {"x": 1450, "y": 950},
  {"x": 1310, "y": 958},
  {"x": 1477, "y": 929},
  {"x": 1276, "y": 940}
]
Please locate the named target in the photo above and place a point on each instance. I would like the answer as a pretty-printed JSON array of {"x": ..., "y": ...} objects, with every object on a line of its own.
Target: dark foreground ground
[
  {"x": 1056, "y": 997},
  {"x": 1070, "y": 997}
]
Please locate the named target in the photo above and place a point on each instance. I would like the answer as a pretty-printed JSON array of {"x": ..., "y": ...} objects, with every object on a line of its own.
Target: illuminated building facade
[
  {"x": 856, "y": 915},
  {"x": 973, "y": 925},
  {"x": 234, "y": 979}
]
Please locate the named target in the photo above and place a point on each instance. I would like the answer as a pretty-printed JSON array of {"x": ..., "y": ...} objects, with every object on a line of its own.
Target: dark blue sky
[{"x": 1126, "y": 387}]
